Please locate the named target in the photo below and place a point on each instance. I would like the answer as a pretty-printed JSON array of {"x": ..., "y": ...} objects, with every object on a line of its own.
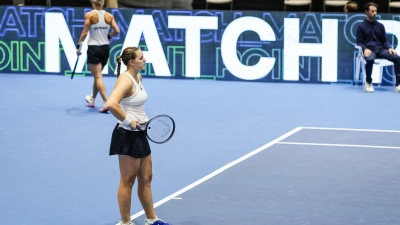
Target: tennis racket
[
  {"x": 76, "y": 63},
  {"x": 73, "y": 71},
  {"x": 159, "y": 129}
]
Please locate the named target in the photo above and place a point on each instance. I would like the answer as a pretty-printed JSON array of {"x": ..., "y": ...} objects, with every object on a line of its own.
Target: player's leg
[
  {"x": 129, "y": 168},
  {"x": 98, "y": 83},
  {"x": 145, "y": 176},
  {"x": 145, "y": 195}
]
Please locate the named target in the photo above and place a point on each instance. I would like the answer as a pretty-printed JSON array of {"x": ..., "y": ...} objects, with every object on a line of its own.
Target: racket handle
[
  {"x": 79, "y": 46},
  {"x": 73, "y": 71}
]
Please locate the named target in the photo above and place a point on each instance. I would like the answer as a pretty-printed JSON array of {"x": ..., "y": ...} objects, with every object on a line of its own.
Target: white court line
[
  {"x": 350, "y": 129},
  {"x": 218, "y": 171},
  {"x": 337, "y": 145}
]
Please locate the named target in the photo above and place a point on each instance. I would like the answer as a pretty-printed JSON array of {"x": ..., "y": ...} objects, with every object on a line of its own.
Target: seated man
[
  {"x": 350, "y": 7},
  {"x": 371, "y": 36}
]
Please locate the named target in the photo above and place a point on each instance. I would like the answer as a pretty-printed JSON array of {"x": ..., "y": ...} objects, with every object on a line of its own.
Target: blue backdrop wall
[{"x": 220, "y": 45}]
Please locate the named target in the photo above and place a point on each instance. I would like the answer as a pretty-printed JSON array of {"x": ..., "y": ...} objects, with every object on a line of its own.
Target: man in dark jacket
[{"x": 371, "y": 36}]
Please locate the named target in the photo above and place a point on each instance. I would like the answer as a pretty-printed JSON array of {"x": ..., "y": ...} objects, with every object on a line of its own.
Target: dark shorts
[
  {"x": 98, "y": 54},
  {"x": 132, "y": 143}
]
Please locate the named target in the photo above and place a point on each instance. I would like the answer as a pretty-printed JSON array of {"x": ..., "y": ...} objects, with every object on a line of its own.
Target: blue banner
[{"x": 219, "y": 45}]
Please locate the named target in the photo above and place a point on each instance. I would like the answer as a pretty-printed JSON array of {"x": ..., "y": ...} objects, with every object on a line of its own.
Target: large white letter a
[{"x": 144, "y": 24}]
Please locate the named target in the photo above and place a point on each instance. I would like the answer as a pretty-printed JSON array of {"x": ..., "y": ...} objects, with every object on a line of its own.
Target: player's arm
[
  {"x": 85, "y": 31},
  {"x": 113, "y": 25},
  {"x": 121, "y": 89}
]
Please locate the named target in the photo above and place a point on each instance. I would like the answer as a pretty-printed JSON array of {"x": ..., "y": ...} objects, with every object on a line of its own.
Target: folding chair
[
  {"x": 219, "y": 2},
  {"x": 297, "y": 3},
  {"x": 334, "y": 3},
  {"x": 376, "y": 71}
]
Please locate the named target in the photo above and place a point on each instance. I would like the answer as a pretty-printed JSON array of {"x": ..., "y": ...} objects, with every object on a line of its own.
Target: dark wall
[
  {"x": 317, "y": 6},
  {"x": 253, "y": 5},
  {"x": 6, "y": 2}
]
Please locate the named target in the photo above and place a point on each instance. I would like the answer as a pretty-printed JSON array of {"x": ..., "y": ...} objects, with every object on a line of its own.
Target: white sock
[{"x": 152, "y": 220}]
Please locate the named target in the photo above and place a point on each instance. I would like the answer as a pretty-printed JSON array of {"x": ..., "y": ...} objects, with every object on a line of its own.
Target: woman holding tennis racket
[
  {"x": 126, "y": 103},
  {"x": 98, "y": 23}
]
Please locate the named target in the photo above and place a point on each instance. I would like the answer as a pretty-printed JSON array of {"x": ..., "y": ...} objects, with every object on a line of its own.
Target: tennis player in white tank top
[
  {"x": 98, "y": 23},
  {"x": 126, "y": 103},
  {"x": 133, "y": 105}
]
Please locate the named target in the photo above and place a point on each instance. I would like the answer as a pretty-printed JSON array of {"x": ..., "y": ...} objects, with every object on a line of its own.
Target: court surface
[{"x": 243, "y": 152}]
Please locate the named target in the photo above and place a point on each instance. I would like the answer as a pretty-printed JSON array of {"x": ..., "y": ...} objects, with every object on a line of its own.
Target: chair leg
[
  {"x": 284, "y": 7},
  {"x": 364, "y": 76},
  {"x": 380, "y": 75},
  {"x": 231, "y": 4},
  {"x": 357, "y": 75}
]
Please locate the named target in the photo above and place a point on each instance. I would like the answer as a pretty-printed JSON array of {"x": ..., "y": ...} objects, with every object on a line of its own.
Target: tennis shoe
[
  {"x": 398, "y": 88},
  {"x": 129, "y": 223},
  {"x": 369, "y": 88},
  {"x": 158, "y": 222},
  {"x": 104, "y": 109},
  {"x": 90, "y": 101}
]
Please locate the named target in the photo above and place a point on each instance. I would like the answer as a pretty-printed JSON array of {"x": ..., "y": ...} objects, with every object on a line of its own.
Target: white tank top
[
  {"x": 98, "y": 32},
  {"x": 133, "y": 105}
]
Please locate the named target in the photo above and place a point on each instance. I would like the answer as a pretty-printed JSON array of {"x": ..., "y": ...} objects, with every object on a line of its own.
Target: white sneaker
[
  {"x": 129, "y": 223},
  {"x": 398, "y": 88},
  {"x": 90, "y": 100},
  {"x": 369, "y": 88},
  {"x": 104, "y": 109}
]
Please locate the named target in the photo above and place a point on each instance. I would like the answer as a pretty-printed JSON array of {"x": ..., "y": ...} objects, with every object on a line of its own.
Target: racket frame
[{"x": 154, "y": 118}]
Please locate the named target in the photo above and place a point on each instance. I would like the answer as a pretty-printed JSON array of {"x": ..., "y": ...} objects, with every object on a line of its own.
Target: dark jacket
[{"x": 372, "y": 35}]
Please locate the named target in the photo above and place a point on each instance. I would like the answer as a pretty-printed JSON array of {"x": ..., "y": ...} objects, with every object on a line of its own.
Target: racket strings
[{"x": 160, "y": 129}]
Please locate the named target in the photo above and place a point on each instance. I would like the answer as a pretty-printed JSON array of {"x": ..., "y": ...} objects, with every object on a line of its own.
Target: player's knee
[
  {"x": 145, "y": 179},
  {"x": 127, "y": 181}
]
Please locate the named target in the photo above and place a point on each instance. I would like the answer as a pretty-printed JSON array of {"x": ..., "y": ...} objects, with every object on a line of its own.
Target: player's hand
[
  {"x": 367, "y": 52},
  {"x": 135, "y": 124},
  {"x": 78, "y": 52},
  {"x": 392, "y": 51}
]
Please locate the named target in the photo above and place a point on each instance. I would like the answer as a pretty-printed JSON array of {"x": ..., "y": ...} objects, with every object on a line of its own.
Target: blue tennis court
[
  {"x": 306, "y": 176},
  {"x": 272, "y": 153}
]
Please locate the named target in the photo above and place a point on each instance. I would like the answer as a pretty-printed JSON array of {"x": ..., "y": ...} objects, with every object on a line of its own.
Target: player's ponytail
[
  {"x": 118, "y": 65},
  {"x": 98, "y": 2}
]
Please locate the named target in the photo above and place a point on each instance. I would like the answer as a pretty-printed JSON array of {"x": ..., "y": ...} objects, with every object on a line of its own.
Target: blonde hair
[
  {"x": 127, "y": 54},
  {"x": 98, "y": 2}
]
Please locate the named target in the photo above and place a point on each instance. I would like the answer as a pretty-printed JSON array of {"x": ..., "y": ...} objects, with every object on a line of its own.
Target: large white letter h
[{"x": 327, "y": 50}]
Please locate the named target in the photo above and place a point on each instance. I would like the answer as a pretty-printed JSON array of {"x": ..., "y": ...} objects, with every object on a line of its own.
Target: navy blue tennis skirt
[
  {"x": 98, "y": 54},
  {"x": 132, "y": 143}
]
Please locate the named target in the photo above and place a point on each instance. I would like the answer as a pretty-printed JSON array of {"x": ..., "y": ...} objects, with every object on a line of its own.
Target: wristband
[
  {"x": 78, "y": 46},
  {"x": 127, "y": 121},
  {"x": 109, "y": 36}
]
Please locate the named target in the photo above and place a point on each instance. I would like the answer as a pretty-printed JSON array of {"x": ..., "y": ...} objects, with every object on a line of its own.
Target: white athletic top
[
  {"x": 99, "y": 31},
  {"x": 133, "y": 105}
]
